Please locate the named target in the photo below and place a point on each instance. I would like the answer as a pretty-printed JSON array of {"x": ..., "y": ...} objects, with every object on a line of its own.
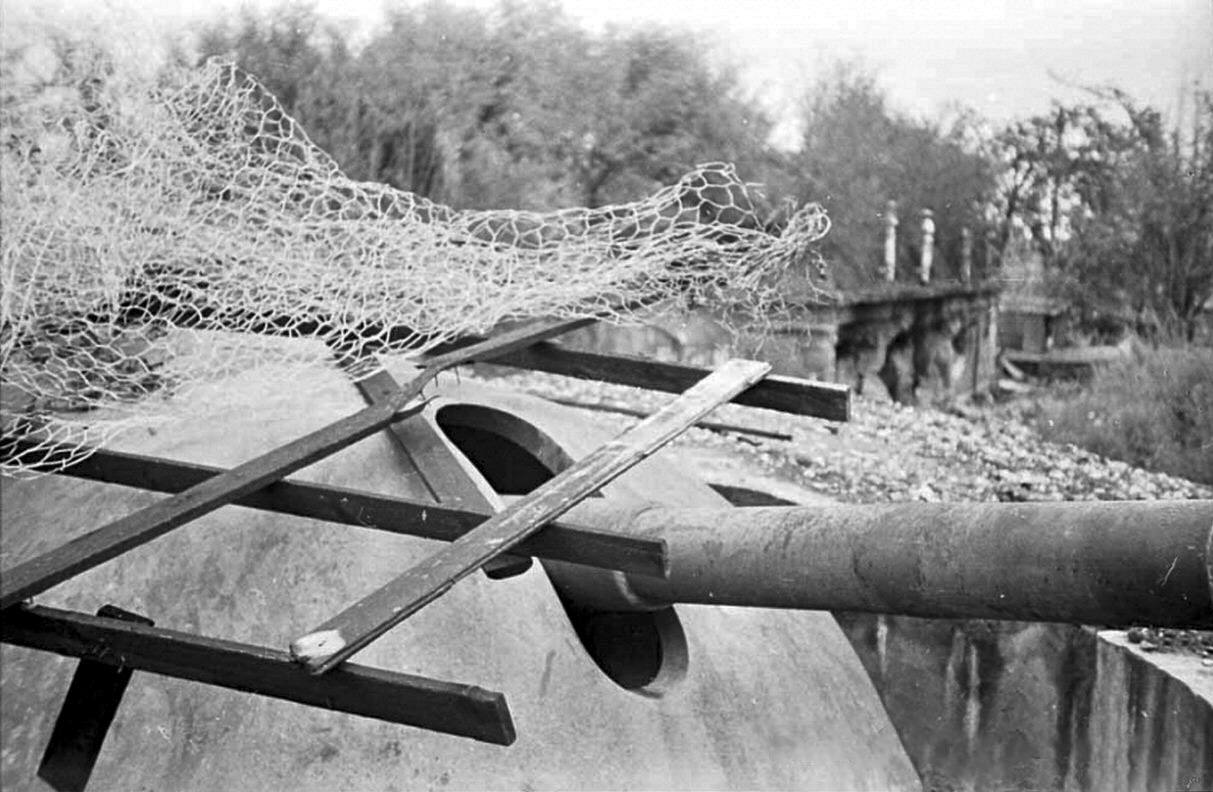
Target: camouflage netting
[{"x": 156, "y": 230}]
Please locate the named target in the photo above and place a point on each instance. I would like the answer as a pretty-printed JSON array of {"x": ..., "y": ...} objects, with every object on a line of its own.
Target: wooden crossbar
[
  {"x": 462, "y": 710},
  {"x": 826, "y": 400},
  {"x": 92, "y": 701},
  {"x": 395, "y": 514},
  {"x": 102, "y": 544},
  {"x": 447, "y": 480},
  {"x": 353, "y": 629}
]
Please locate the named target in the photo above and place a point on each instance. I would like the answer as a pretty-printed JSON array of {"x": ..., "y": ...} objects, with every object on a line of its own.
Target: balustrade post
[
  {"x": 928, "y": 246},
  {"x": 889, "y": 273}
]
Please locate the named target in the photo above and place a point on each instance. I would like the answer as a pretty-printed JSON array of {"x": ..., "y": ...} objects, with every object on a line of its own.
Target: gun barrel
[{"x": 1098, "y": 562}]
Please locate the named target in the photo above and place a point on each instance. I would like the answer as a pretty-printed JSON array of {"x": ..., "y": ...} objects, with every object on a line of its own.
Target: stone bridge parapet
[{"x": 914, "y": 342}]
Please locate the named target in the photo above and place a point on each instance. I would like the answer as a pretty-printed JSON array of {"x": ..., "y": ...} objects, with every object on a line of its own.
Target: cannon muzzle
[{"x": 1100, "y": 563}]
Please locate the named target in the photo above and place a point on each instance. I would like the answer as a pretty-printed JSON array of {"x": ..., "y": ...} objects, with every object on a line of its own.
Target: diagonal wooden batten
[
  {"x": 419, "y": 445},
  {"x": 512, "y": 340},
  {"x": 560, "y": 541},
  {"x": 448, "y": 707},
  {"x": 353, "y": 629},
  {"x": 826, "y": 400},
  {"x": 98, "y": 546}
]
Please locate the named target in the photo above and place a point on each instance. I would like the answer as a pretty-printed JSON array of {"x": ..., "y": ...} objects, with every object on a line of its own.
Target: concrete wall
[
  {"x": 993, "y": 706},
  {"x": 1014, "y": 706}
]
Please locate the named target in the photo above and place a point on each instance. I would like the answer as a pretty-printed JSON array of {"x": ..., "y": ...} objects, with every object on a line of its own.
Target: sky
[{"x": 1003, "y": 58}]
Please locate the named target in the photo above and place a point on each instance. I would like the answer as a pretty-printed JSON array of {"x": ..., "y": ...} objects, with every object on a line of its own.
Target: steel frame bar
[
  {"x": 451, "y": 708},
  {"x": 102, "y": 544},
  {"x": 354, "y": 628}
]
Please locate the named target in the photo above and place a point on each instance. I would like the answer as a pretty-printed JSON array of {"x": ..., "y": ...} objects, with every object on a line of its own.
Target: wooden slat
[
  {"x": 785, "y": 394},
  {"x": 100, "y": 545},
  {"x": 462, "y": 710},
  {"x": 559, "y": 541},
  {"x": 417, "y": 443},
  {"x": 420, "y": 447},
  {"x": 712, "y": 426},
  {"x": 84, "y": 719},
  {"x": 345, "y": 634},
  {"x": 506, "y": 343}
]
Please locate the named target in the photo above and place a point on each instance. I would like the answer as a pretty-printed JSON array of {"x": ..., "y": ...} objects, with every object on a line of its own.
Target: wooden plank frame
[
  {"x": 447, "y": 481},
  {"x": 38, "y": 574},
  {"x": 353, "y": 629},
  {"x": 197, "y": 490},
  {"x": 519, "y": 347},
  {"x": 560, "y": 541},
  {"x": 406, "y": 699}
]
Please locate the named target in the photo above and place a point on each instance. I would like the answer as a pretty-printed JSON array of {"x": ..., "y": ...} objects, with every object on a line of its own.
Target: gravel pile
[{"x": 892, "y": 453}]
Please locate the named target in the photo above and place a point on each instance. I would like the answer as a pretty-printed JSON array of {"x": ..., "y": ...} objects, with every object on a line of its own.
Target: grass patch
[{"x": 1153, "y": 410}]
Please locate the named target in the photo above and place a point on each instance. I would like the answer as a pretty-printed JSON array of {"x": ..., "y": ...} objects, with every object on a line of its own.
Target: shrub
[{"x": 1153, "y": 410}]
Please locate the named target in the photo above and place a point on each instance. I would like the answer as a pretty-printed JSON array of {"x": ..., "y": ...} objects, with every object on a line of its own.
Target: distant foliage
[
  {"x": 1119, "y": 207},
  {"x": 519, "y": 107},
  {"x": 859, "y": 152},
  {"x": 514, "y": 108},
  {"x": 1154, "y": 411}
]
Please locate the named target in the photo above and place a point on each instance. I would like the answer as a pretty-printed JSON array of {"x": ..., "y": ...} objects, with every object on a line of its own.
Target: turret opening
[{"x": 641, "y": 651}]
